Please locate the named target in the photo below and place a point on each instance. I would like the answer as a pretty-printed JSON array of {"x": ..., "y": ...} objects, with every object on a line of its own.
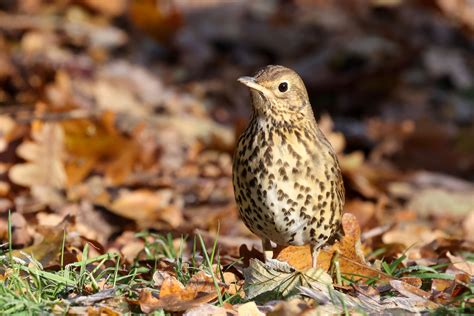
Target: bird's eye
[{"x": 283, "y": 87}]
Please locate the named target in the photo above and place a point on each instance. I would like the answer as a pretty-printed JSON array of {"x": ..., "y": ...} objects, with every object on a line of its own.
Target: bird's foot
[{"x": 268, "y": 255}]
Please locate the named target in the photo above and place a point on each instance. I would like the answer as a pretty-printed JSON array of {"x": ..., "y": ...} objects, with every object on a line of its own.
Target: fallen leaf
[
  {"x": 275, "y": 279},
  {"x": 413, "y": 281},
  {"x": 411, "y": 234},
  {"x": 334, "y": 302},
  {"x": 461, "y": 264},
  {"x": 175, "y": 297},
  {"x": 422, "y": 298},
  {"x": 461, "y": 11},
  {"x": 147, "y": 208},
  {"x": 159, "y": 19},
  {"x": 7, "y": 128},
  {"x": 437, "y": 201},
  {"x": 290, "y": 307},
  {"x": 365, "y": 211},
  {"x": 207, "y": 309},
  {"x": 110, "y": 8},
  {"x": 349, "y": 253},
  {"x": 49, "y": 248},
  {"x": 336, "y": 139},
  {"x": 21, "y": 235},
  {"x": 249, "y": 309},
  {"x": 98, "y": 146},
  {"x": 44, "y": 170},
  {"x": 467, "y": 225}
]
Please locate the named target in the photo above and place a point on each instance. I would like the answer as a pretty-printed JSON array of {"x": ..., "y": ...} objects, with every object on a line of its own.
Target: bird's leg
[
  {"x": 267, "y": 249},
  {"x": 314, "y": 255}
]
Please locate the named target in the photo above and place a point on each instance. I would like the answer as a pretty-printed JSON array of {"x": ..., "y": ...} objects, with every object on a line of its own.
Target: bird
[{"x": 287, "y": 179}]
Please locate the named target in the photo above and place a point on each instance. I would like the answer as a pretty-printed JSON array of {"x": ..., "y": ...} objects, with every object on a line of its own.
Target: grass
[
  {"x": 458, "y": 305},
  {"x": 26, "y": 287}
]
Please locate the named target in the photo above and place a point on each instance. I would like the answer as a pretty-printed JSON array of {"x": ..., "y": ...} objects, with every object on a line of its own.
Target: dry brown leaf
[
  {"x": 101, "y": 311},
  {"x": 158, "y": 19},
  {"x": 49, "y": 248},
  {"x": 7, "y": 128},
  {"x": 467, "y": 225},
  {"x": 44, "y": 171},
  {"x": 129, "y": 245},
  {"x": 45, "y": 154},
  {"x": 365, "y": 178},
  {"x": 462, "y": 11},
  {"x": 412, "y": 235},
  {"x": 175, "y": 297},
  {"x": 291, "y": 307},
  {"x": 336, "y": 139},
  {"x": 109, "y": 7},
  {"x": 365, "y": 211},
  {"x": 413, "y": 281},
  {"x": 147, "y": 208},
  {"x": 412, "y": 292},
  {"x": 461, "y": 263},
  {"x": 21, "y": 235},
  {"x": 208, "y": 309},
  {"x": 98, "y": 146},
  {"x": 441, "y": 285},
  {"x": 249, "y": 309},
  {"x": 351, "y": 258}
]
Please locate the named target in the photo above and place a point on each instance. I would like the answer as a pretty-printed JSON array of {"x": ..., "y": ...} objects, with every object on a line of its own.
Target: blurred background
[{"x": 124, "y": 114}]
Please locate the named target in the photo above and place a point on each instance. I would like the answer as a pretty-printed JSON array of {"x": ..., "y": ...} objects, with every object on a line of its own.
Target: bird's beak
[{"x": 252, "y": 83}]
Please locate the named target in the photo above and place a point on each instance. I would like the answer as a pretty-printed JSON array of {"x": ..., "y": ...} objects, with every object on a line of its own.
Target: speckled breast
[{"x": 287, "y": 184}]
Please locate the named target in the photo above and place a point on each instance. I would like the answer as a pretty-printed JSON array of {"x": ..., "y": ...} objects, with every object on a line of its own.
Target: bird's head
[{"x": 278, "y": 92}]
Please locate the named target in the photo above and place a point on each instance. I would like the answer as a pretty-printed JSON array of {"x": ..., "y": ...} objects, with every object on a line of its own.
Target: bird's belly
[{"x": 288, "y": 227}]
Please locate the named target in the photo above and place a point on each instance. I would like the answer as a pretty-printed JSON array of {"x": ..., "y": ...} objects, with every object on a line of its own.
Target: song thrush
[{"x": 286, "y": 176}]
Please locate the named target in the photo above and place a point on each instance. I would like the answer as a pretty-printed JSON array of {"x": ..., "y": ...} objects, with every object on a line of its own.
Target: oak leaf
[{"x": 44, "y": 171}]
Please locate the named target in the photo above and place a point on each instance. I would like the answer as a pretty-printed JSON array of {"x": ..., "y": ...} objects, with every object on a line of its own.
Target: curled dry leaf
[{"x": 175, "y": 297}]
